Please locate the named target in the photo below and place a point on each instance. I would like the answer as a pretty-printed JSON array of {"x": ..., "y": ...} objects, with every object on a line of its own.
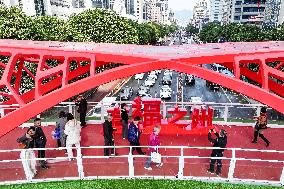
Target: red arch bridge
[{"x": 29, "y": 62}]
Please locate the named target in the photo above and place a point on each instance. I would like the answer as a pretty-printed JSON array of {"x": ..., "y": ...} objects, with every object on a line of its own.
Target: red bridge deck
[{"x": 238, "y": 137}]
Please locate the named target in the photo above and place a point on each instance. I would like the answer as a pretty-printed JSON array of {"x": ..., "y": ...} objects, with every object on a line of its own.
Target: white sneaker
[
  {"x": 148, "y": 168},
  {"x": 159, "y": 165}
]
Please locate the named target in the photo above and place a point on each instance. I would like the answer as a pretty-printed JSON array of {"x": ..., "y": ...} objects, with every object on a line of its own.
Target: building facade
[
  {"x": 216, "y": 10},
  {"x": 200, "y": 14},
  {"x": 246, "y": 11},
  {"x": 138, "y": 10}
]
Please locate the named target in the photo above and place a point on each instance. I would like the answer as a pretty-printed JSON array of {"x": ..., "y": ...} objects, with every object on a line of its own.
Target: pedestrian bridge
[{"x": 56, "y": 83}]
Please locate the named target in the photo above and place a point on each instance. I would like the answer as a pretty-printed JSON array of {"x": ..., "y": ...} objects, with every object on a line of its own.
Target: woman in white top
[{"x": 73, "y": 132}]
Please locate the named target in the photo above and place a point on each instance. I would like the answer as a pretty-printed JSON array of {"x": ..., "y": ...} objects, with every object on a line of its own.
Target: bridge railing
[
  {"x": 180, "y": 162},
  {"x": 225, "y": 112}
]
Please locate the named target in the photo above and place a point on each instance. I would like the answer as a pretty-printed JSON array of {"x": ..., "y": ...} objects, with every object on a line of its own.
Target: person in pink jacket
[{"x": 154, "y": 142}]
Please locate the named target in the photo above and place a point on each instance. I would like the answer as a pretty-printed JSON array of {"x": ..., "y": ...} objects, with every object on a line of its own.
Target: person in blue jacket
[{"x": 134, "y": 136}]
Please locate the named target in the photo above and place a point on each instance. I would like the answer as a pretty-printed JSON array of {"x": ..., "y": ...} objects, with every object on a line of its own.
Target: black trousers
[
  {"x": 83, "y": 118},
  {"x": 41, "y": 154},
  {"x": 213, "y": 161},
  {"x": 108, "y": 142},
  {"x": 124, "y": 129},
  {"x": 58, "y": 143},
  {"x": 136, "y": 146}
]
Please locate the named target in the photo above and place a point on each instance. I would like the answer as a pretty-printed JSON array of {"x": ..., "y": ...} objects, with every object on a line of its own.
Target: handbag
[{"x": 156, "y": 157}]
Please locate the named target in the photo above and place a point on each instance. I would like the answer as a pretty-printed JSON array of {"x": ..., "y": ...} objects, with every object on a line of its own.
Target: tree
[
  {"x": 48, "y": 28},
  {"x": 101, "y": 26},
  {"x": 190, "y": 29},
  {"x": 211, "y": 33},
  {"x": 14, "y": 24}
]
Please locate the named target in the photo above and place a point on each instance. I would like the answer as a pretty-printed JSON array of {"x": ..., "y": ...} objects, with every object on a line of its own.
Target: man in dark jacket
[
  {"x": 82, "y": 104},
  {"x": 134, "y": 136},
  {"x": 40, "y": 141},
  {"x": 221, "y": 142},
  {"x": 108, "y": 135},
  {"x": 124, "y": 119}
]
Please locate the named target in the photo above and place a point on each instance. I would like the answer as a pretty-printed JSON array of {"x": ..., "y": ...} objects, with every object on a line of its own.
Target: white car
[
  {"x": 153, "y": 76},
  {"x": 166, "y": 88},
  {"x": 139, "y": 76},
  {"x": 149, "y": 82},
  {"x": 168, "y": 72},
  {"x": 196, "y": 100}
]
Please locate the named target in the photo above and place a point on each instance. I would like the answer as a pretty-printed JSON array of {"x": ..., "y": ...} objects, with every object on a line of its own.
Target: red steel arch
[{"x": 135, "y": 59}]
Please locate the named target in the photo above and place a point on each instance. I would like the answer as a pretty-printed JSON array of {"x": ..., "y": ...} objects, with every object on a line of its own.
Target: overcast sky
[
  {"x": 183, "y": 9},
  {"x": 182, "y": 4}
]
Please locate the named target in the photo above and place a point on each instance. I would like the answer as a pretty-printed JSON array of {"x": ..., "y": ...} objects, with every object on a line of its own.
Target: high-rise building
[
  {"x": 226, "y": 11},
  {"x": 247, "y": 11},
  {"x": 271, "y": 13},
  {"x": 139, "y": 10},
  {"x": 200, "y": 14},
  {"x": 216, "y": 10},
  {"x": 281, "y": 13}
]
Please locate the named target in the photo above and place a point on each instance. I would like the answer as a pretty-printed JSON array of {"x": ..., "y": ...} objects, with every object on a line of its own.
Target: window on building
[
  {"x": 237, "y": 10},
  {"x": 253, "y": 9},
  {"x": 237, "y": 17},
  {"x": 238, "y": 3}
]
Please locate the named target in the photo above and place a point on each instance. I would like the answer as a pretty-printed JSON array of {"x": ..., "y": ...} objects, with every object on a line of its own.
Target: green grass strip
[{"x": 134, "y": 184}]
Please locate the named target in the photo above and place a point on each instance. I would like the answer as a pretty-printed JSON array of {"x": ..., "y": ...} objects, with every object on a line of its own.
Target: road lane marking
[{"x": 226, "y": 94}]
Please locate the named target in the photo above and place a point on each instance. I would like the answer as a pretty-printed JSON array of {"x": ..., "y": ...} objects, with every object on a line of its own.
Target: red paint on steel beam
[
  {"x": 44, "y": 102},
  {"x": 139, "y": 59}
]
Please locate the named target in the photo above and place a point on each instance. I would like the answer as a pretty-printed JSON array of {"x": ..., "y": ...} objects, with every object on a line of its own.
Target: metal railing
[{"x": 182, "y": 154}]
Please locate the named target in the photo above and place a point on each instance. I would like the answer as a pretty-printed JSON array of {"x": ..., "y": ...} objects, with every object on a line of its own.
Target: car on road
[
  {"x": 153, "y": 76},
  {"x": 126, "y": 93},
  {"x": 166, "y": 92},
  {"x": 228, "y": 73},
  {"x": 197, "y": 100},
  {"x": 149, "y": 82},
  {"x": 212, "y": 86},
  {"x": 189, "y": 79},
  {"x": 143, "y": 91},
  {"x": 139, "y": 76},
  {"x": 107, "y": 103},
  {"x": 168, "y": 72},
  {"x": 167, "y": 80}
]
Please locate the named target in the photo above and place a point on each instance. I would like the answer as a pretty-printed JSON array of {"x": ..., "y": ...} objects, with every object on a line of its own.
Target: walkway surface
[{"x": 238, "y": 137}]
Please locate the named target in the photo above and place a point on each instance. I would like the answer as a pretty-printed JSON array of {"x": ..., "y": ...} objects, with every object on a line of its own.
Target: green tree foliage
[
  {"x": 14, "y": 24},
  {"x": 48, "y": 28},
  {"x": 235, "y": 32},
  {"x": 102, "y": 26},
  {"x": 190, "y": 29}
]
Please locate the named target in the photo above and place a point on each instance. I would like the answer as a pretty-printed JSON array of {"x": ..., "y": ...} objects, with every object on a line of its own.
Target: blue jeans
[{"x": 148, "y": 162}]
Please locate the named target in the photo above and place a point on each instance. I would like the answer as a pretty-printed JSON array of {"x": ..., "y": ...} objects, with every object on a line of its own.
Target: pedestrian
[
  {"x": 73, "y": 132},
  {"x": 134, "y": 136},
  {"x": 40, "y": 141},
  {"x": 154, "y": 142},
  {"x": 60, "y": 126},
  {"x": 221, "y": 142},
  {"x": 27, "y": 154},
  {"x": 108, "y": 135},
  {"x": 82, "y": 104},
  {"x": 261, "y": 126},
  {"x": 124, "y": 119}
]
